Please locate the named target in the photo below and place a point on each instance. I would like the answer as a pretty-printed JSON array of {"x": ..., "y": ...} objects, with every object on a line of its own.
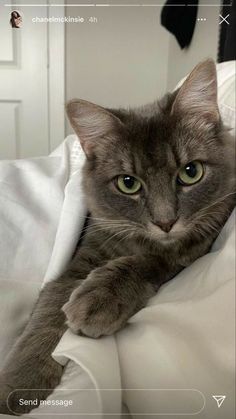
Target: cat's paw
[
  {"x": 94, "y": 313},
  {"x": 97, "y": 308}
]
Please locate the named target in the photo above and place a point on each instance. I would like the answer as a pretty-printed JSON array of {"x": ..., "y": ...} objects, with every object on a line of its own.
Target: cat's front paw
[{"x": 97, "y": 307}]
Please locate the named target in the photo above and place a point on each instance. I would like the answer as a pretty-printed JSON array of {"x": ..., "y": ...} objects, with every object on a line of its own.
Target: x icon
[{"x": 224, "y": 19}]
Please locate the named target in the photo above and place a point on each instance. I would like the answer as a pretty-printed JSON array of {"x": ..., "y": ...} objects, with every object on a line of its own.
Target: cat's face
[{"x": 162, "y": 171}]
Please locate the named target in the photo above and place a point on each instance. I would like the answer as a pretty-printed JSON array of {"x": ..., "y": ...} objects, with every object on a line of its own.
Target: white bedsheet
[{"x": 183, "y": 339}]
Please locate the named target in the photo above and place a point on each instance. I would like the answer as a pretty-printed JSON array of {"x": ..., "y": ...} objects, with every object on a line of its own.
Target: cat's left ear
[
  {"x": 197, "y": 96},
  {"x": 92, "y": 123}
]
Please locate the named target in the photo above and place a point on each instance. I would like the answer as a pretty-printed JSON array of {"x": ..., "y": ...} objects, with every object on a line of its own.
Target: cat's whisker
[
  {"x": 207, "y": 227},
  {"x": 99, "y": 218},
  {"x": 218, "y": 201},
  {"x": 112, "y": 222},
  {"x": 107, "y": 225},
  {"x": 126, "y": 237},
  {"x": 212, "y": 215},
  {"x": 207, "y": 221},
  {"x": 113, "y": 236},
  {"x": 129, "y": 235},
  {"x": 97, "y": 229},
  {"x": 102, "y": 225},
  {"x": 106, "y": 228}
]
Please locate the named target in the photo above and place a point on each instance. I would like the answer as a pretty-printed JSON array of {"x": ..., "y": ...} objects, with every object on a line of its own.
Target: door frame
[{"x": 56, "y": 76}]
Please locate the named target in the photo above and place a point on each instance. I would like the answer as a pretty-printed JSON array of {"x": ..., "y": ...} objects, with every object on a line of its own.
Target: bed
[{"x": 173, "y": 356}]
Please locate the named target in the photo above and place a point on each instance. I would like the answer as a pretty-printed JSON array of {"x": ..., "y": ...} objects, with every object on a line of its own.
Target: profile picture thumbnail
[{"x": 16, "y": 19}]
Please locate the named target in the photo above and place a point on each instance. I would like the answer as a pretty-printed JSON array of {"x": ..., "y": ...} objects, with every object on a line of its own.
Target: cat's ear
[
  {"x": 198, "y": 94},
  {"x": 91, "y": 123}
]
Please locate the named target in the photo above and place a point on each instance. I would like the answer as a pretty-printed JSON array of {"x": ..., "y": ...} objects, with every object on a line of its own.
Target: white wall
[
  {"x": 128, "y": 58},
  {"x": 120, "y": 61},
  {"x": 204, "y": 44}
]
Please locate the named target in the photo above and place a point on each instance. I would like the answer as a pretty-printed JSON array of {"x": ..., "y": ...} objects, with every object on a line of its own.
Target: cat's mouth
[{"x": 165, "y": 236}]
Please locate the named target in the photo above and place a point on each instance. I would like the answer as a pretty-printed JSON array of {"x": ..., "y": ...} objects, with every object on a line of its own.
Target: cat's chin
[{"x": 169, "y": 239}]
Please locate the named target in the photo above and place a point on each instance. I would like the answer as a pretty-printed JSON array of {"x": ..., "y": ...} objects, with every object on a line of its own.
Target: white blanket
[{"x": 181, "y": 344}]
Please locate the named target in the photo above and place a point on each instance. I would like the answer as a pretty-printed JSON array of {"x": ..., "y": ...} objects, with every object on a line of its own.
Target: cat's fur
[{"x": 125, "y": 254}]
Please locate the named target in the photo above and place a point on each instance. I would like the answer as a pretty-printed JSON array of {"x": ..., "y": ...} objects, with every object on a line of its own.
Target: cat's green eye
[
  {"x": 191, "y": 173},
  {"x": 128, "y": 184}
]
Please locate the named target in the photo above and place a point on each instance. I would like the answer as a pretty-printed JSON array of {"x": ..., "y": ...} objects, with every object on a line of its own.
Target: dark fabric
[
  {"x": 180, "y": 20},
  {"x": 227, "y": 45}
]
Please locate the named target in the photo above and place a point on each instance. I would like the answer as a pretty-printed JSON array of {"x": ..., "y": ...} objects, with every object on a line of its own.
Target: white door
[{"x": 25, "y": 107}]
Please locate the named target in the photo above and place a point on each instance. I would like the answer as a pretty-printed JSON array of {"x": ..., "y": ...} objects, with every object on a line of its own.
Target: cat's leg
[
  {"x": 109, "y": 296},
  {"x": 29, "y": 364},
  {"x": 114, "y": 292}
]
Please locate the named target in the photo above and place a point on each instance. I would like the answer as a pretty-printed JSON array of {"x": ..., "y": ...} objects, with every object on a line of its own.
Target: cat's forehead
[
  {"x": 155, "y": 143},
  {"x": 159, "y": 140},
  {"x": 145, "y": 151}
]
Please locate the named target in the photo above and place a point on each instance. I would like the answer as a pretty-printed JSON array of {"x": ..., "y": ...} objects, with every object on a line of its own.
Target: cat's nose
[{"x": 166, "y": 225}]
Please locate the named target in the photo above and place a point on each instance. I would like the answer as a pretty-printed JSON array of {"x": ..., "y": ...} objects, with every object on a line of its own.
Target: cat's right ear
[
  {"x": 197, "y": 97},
  {"x": 92, "y": 123}
]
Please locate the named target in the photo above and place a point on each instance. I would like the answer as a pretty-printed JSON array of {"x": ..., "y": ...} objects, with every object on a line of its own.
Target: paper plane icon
[{"x": 219, "y": 400}]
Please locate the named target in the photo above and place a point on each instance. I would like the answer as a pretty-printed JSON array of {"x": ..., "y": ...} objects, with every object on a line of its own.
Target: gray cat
[{"x": 160, "y": 184}]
